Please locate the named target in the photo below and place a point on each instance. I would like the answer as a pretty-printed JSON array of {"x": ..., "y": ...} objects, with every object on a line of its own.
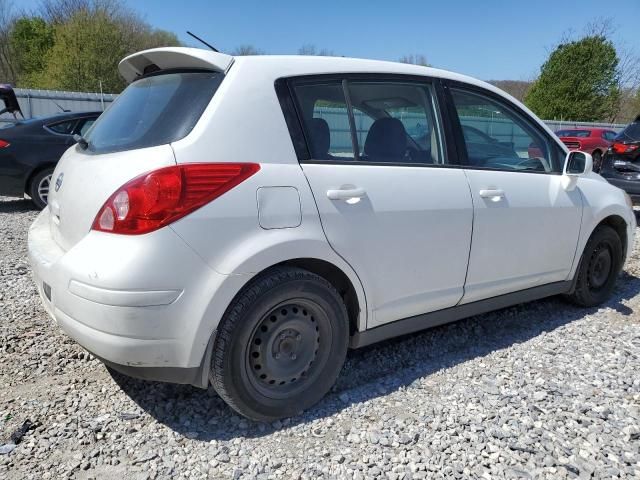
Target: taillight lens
[
  {"x": 4, "y": 144},
  {"x": 623, "y": 148},
  {"x": 160, "y": 197}
]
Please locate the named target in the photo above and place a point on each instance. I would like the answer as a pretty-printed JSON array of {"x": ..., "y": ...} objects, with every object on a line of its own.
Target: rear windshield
[
  {"x": 573, "y": 133},
  {"x": 152, "y": 111},
  {"x": 632, "y": 132}
]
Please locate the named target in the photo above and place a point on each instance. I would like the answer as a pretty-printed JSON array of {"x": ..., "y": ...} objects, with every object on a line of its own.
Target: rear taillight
[
  {"x": 160, "y": 197},
  {"x": 623, "y": 148},
  {"x": 4, "y": 144}
]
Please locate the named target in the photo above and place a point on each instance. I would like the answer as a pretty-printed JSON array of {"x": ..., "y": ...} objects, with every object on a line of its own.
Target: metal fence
[{"x": 42, "y": 103}]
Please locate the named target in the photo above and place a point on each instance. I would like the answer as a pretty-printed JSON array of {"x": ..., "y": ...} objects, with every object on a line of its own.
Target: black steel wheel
[
  {"x": 281, "y": 344},
  {"x": 599, "y": 267}
]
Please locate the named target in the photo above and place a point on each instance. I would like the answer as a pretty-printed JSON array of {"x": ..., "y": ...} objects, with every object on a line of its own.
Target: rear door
[
  {"x": 390, "y": 202},
  {"x": 526, "y": 226}
]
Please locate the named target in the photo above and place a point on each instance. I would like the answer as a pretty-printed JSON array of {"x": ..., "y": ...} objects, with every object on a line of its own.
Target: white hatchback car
[{"x": 243, "y": 221}]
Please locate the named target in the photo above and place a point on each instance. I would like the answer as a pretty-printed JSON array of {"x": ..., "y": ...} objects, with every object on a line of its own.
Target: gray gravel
[{"x": 543, "y": 390}]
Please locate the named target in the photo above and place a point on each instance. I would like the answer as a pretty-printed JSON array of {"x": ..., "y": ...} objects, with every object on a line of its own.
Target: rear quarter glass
[{"x": 154, "y": 110}]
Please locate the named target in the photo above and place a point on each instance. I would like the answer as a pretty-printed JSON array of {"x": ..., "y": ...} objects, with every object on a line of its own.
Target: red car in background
[{"x": 595, "y": 141}]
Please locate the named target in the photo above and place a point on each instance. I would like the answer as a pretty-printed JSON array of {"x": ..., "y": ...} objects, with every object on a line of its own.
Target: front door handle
[
  {"x": 345, "y": 194},
  {"x": 494, "y": 194}
]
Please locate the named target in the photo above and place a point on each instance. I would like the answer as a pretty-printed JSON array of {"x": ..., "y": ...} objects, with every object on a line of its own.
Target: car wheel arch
[
  {"x": 613, "y": 220},
  {"x": 352, "y": 293},
  {"x": 35, "y": 171},
  {"x": 619, "y": 225},
  {"x": 355, "y": 302}
]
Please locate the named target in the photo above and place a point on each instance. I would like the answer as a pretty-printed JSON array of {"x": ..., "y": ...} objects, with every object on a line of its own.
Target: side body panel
[
  {"x": 408, "y": 237},
  {"x": 523, "y": 239}
]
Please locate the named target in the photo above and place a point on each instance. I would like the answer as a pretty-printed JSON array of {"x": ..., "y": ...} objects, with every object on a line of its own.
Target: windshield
[
  {"x": 632, "y": 132},
  {"x": 153, "y": 111},
  {"x": 573, "y": 133}
]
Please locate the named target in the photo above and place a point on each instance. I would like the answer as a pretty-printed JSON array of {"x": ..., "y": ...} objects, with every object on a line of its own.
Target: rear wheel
[
  {"x": 39, "y": 188},
  {"x": 597, "y": 160},
  {"x": 599, "y": 267},
  {"x": 281, "y": 344}
]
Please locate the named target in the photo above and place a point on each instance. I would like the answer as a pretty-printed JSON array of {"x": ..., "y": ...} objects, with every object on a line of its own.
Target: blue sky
[{"x": 488, "y": 39}]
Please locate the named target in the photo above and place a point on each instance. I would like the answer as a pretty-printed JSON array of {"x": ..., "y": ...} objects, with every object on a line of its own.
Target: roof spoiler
[
  {"x": 148, "y": 61},
  {"x": 8, "y": 96}
]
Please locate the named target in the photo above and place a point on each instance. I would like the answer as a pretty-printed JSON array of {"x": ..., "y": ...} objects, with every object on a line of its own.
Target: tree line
[{"x": 72, "y": 44}]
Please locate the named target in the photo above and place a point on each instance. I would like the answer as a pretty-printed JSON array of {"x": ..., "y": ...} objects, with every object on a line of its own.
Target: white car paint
[
  {"x": 415, "y": 241},
  {"x": 524, "y": 238}
]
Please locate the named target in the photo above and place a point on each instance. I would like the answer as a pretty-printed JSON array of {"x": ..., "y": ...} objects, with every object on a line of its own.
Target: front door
[{"x": 526, "y": 226}]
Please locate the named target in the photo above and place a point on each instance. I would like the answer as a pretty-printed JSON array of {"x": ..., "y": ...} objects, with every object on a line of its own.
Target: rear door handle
[
  {"x": 345, "y": 194},
  {"x": 493, "y": 193}
]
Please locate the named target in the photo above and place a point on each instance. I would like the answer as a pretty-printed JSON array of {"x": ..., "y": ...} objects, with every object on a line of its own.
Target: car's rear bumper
[{"x": 141, "y": 304}]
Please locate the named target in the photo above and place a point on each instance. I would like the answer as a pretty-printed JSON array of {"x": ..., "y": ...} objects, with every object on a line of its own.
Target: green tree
[
  {"x": 90, "y": 43},
  {"x": 579, "y": 81},
  {"x": 31, "y": 39}
]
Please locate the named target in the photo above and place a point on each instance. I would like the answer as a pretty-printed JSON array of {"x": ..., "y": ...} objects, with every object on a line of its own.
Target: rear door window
[
  {"x": 388, "y": 122},
  {"x": 326, "y": 121},
  {"x": 396, "y": 122},
  {"x": 154, "y": 110}
]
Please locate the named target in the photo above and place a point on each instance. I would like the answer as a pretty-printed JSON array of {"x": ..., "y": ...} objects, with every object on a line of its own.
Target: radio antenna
[{"x": 202, "y": 41}]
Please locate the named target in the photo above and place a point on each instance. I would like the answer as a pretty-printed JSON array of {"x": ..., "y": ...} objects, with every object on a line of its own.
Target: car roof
[
  {"x": 272, "y": 67},
  {"x": 279, "y": 65}
]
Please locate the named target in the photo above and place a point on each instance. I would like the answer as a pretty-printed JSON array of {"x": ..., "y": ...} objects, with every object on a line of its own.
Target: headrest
[{"x": 387, "y": 139}]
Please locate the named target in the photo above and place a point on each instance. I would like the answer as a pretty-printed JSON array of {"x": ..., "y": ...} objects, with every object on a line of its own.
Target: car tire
[
  {"x": 597, "y": 161},
  {"x": 280, "y": 345},
  {"x": 599, "y": 268},
  {"x": 39, "y": 187}
]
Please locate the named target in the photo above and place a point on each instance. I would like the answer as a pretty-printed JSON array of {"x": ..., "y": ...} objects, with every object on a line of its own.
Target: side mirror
[
  {"x": 578, "y": 163},
  {"x": 575, "y": 165}
]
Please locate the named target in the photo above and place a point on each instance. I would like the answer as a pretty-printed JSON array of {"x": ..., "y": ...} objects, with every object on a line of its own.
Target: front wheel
[
  {"x": 599, "y": 267},
  {"x": 281, "y": 344}
]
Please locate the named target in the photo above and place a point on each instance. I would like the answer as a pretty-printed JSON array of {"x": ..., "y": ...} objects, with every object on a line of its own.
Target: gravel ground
[{"x": 543, "y": 390}]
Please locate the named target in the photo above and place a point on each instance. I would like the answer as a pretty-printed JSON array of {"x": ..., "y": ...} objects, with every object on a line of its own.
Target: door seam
[
  {"x": 473, "y": 221},
  {"x": 326, "y": 237}
]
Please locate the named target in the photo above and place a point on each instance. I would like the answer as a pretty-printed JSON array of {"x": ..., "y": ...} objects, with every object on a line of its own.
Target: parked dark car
[
  {"x": 621, "y": 162},
  {"x": 30, "y": 149}
]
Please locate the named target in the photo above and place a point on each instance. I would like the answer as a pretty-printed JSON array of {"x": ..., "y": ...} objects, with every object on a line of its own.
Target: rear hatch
[{"x": 131, "y": 137}]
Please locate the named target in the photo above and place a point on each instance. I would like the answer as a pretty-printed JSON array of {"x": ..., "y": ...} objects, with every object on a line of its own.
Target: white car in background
[{"x": 242, "y": 221}]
